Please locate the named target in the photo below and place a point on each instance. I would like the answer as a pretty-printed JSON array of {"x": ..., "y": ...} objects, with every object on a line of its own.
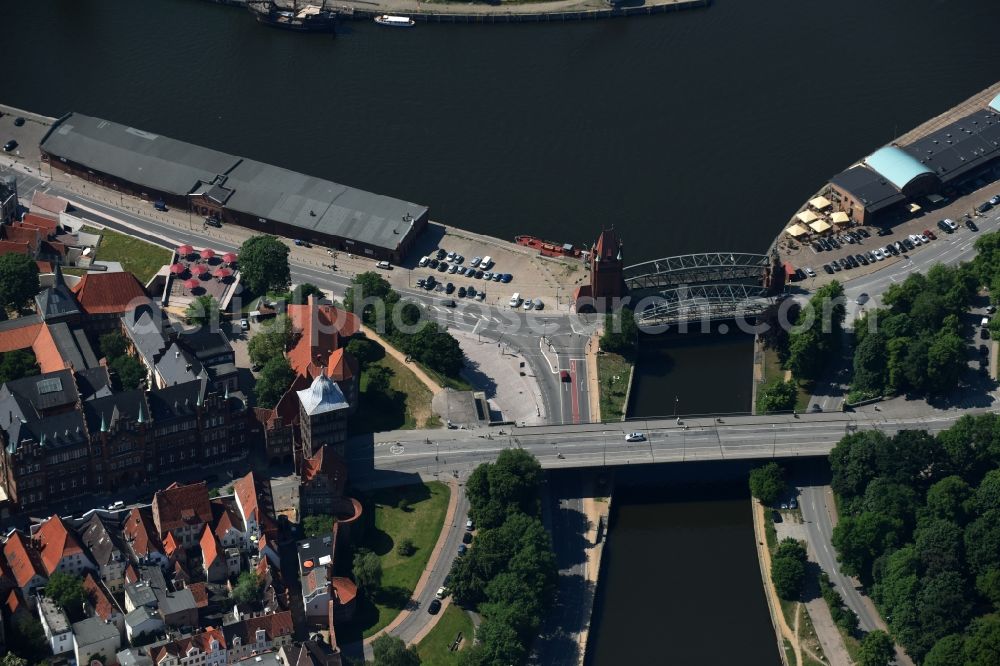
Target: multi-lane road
[{"x": 548, "y": 342}]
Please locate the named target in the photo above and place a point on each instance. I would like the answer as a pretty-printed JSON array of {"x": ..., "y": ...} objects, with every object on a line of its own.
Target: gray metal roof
[
  {"x": 248, "y": 186},
  {"x": 140, "y": 157},
  {"x": 94, "y": 630}
]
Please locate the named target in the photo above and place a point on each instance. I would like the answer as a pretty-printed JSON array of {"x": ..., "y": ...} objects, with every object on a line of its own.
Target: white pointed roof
[{"x": 322, "y": 396}]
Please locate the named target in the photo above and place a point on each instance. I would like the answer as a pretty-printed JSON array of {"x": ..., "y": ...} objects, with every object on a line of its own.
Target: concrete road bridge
[
  {"x": 726, "y": 267},
  {"x": 666, "y": 440},
  {"x": 708, "y": 302}
]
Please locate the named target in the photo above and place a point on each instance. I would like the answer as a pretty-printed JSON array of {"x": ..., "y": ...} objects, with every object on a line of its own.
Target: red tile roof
[
  {"x": 14, "y": 602},
  {"x": 180, "y": 647},
  {"x": 200, "y": 593},
  {"x": 324, "y": 329},
  {"x": 42, "y": 222},
  {"x": 109, "y": 293},
  {"x": 245, "y": 489},
  {"x": 55, "y": 541},
  {"x": 341, "y": 366},
  {"x": 275, "y": 625},
  {"x": 262, "y": 568},
  {"x": 98, "y": 597},
  {"x": 181, "y": 505},
  {"x": 43, "y": 266},
  {"x": 29, "y": 236},
  {"x": 23, "y": 559},
  {"x": 46, "y": 352},
  {"x": 47, "y": 204},
  {"x": 170, "y": 545},
  {"x": 225, "y": 520},
  {"x": 141, "y": 533},
  {"x": 607, "y": 245},
  {"x": 10, "y": 247},
  {"x": 19, "y": 338},
  {"x": 325, "y": 462},
  {"x": 209, "y": 547},
  {"x": 344, "y": 590}
]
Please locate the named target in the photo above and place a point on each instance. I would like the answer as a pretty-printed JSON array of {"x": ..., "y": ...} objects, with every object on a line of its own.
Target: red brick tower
[{"x": 606, "y": 266}]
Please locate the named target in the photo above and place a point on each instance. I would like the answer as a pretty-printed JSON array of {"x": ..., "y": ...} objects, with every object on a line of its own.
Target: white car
[
  {"x": 424, "y": 261},
  {"x": 810, "y": 272},
  {"x": 950, "y": 224},
  {"x": 916, "y": 240},
  {"x": 450, "y": 256},
  {"x": 440, "y": 593},
  {"x": 528, "y": 304},
  {"x": 480, "y": 295},
  {"x": 515, "y": 300},
  {"x": 924, "y": 238},
  {"x": 486, "y": 263},
  {"x": 635, "y": 437},
  {"x": 880, "y": 254}
]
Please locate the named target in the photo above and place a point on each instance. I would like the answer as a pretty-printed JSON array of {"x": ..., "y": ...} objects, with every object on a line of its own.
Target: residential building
[
  {"x": 106, "y": 549},
  {"x": 55, "y": 624},
  {"x": 142, "y": 621},
  {"x": 258, "y": 634},
  {"x": 182, "y": 511},
  {"x": 176, "y": 607},
  {"x": 307, "y": 653},
  {"x": 213, "y": 558},
  {"x": 95, "y": 638},
  {"x": 253, "y": 499},
  {"x": 25, "y": 565},
  {"x": 315, "y": 564},
  {"x": 105, "y": 297},
  {"x": 60, "y": 549},
  {"x": 227, "y": 526},
  {"x": 206, "y": 648},
  {"x": 137, "y": 657},
  {"x": 8, "y": 199},
  {"x": 142, "y": 537},
  {"x": 101, "y": 604}
]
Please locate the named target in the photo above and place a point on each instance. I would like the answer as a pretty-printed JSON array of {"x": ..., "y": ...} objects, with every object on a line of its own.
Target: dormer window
[{"x": 261, "y": 635}]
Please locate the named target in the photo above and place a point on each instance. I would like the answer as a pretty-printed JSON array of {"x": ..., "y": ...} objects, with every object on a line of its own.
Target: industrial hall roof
[
  {"x": 242, "y": 185},
  {"x": 896, "y": 165},
  {"x": 871, "y": 189},
  {"x": 960, "y": 146}
]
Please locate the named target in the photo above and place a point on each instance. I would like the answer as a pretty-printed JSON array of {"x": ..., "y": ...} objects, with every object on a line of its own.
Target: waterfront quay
[{"x": 501, "y": 12}]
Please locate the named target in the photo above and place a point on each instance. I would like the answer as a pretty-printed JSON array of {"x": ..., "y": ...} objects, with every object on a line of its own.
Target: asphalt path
[{"x": 548, "y": 341}]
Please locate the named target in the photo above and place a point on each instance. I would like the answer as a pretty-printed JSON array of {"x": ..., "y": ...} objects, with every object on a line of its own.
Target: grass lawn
[
  {"x": 773, "y": 370},
  {"x": 456, "y": 383},
  {"x": 136, "y": 256},
  {"x": 613, "y": 371},
  {"x": 433, "y": 649},
  {"x": 407, "y": 406},
  {"x": 421, "y": 522}
]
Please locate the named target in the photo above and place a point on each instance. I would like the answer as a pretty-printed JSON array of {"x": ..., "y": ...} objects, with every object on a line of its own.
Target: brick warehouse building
[{"x": 233, "y": 189}]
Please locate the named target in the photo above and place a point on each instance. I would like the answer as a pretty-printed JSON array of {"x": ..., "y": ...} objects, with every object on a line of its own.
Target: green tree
[
  {"x": 988, "y": 585},
  {"x": 113, "y": 345},
  {"x": 944, "y": 609},
  {"x": 776, "y": 396},
  {"x": 876, "y": 649},
  {"x": 620, "y": 332},
  {"x": 275, "y": 378},
  {"x": 264, "y": 264},
  {"x": 982, "y": 642},
  {"x": 11, "y": 659},
  {"x": 248, "y": 587},
  {"x": 982, "y": 542},
  {"x": 852, "y": 462},
  {"x": 767, "y": 482},
  {"x": 377, "y": 379},
  {"x": 860, "y": 539},
  {"x": 317, "y": 525},
  {"x": 987, "y": 495},
  {"x": 498, "y": 644},
  {"x": 16, "y": 364},
  {"x": 367, "y": 571},
  {"x": 271, "y": 341},
  {"x": 130, "y": 372},
  {"x": 392, "y": 651},
  {"x": 368, "y": 293},
  {"x": 405, "y": 547},
  {"x": 203, "y": 311},
  {"x": 945, "y": 361},
  {"x": 939, "y": 543},
  {"x": 788, "y": 569},
  {"x": 302, "y": 292},
  {"x": 871, "y": 369},
  {"x": 946, "y": 652},
  {"x": 947, "y": 498},
  {"x": 510, "y": 484},
  {"x": 365, "y": 351},
  {"x": 18, "y": 280},
  {"x": 28, "y": 639},
  {"x": 68, "y": 593},
  {"x": 805, "y": 354},
  {"x": 437, "y": 349}
]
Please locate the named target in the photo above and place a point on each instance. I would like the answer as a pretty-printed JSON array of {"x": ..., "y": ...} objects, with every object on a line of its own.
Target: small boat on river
[{"x": 395, "y": 21}]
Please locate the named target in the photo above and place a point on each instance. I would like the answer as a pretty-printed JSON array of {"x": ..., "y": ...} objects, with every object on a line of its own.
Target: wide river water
[{"x": 688, "y": 132}]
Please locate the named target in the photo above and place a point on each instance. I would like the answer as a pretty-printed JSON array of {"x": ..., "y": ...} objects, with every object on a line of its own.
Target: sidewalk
[{"x": 782, "y": 631}]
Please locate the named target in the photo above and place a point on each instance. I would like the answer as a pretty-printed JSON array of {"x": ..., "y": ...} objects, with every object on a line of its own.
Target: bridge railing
[{"x": 694, "y": 268}]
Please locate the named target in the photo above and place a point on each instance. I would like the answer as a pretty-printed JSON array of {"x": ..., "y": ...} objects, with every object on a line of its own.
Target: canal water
[
  {"x": 696, "y": 131},
  {"x": 680, "y": 583}
]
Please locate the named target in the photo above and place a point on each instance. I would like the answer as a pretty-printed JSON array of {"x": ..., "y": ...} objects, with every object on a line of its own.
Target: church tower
[{"x": 606, "y": 266}]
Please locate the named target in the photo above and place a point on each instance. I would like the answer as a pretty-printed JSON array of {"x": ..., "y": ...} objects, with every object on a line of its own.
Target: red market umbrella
[
  {"x": 207, "y": 253},
  {"x": 185, "y": 250},
  {"x": 222, "y": 272},
  {"x": 191, "y": 283},
  {"x": 229, "y": 257},
  {"x": 199, "y": 269},
  {"x": 177, "y": 269}
]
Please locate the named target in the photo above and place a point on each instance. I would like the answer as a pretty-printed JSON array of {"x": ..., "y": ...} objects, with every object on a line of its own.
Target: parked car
[
  {"x": 506, "y": 278},
  {"x": 810, "y": 272},
  {"x": 816, "y": 247},
  {"x": 487, "y": 276},
  {"x": 115, "y": 506},
  {"x": 420, "y": 283},
  {"x": 528, "y": 304},
  {"x": 449, "y": 303},
  {"x": 635, "y": 437},
  {"x": 470, "y": 292},
  {"x": 450, "y": 256},
  {"x": 486, "y": 263},
  {"x": 469, "y": 525},
  {"x": 496, "y": 277},
  {"x": 244, "y": 324},
  {"x": 900, "y": 247},
  {"x": 971, "y": 225},
  {"x": 160, "y": 205},
  {"x": 983, "y": 207},
  {"x": 538, "y": 304},
  {"x": 452, "y": 269},
  {"x": 441, "y": 592},
  {"x": 863, "y": 298},
  {"x": 475, "y": 262},
  {"x": 434, "y": 263},
  {"x": 995, "y": 200},
  {"x": 930, "y": 234},
  {"x": 462, "y": 549},
  {"x": 448, "y": 288},
  {"x": 984, "y": 350},
  {"x": 434, "y": 607},
  {"x": 459, "y": 258},
  {"x": 864, "y": 232},
  {"x": 481, "y": 296},
  {"x": 18, "y": 121},
  {"x": 828, "y": 269},
  {"x": 384, "y": 265},
  {"x": 441, "y": 253},
  {"x": 860, "y": 258},
  {"x": 424, "y": 261},
  {"x": 9, "y": 146},
  {"x": 461, "y": 292},
  {"x": 871, "y": 257},
  {"x": 300, "y": 243}
]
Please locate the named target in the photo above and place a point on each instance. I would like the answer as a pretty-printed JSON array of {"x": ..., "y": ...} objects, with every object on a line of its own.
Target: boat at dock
[
  {"x": 395, "y": 21},
  {"x": 548, "y": 248},
  {"x": 303, "y": 18}
]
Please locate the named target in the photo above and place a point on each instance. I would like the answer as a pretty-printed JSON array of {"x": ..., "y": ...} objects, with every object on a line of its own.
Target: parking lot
[{"x": 860, "y": 250}]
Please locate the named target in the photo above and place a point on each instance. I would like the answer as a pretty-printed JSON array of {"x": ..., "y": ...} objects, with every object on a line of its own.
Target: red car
[
  {"x": 564, "y": 375},
  {"x": 930, "y": 234}
]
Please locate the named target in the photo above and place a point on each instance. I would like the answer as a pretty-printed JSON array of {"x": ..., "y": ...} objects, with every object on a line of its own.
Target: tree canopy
[
  {"x": 817, "y": 331},
  {"x": 919, "y": 524},
  {"x": 302, "y": 292},
  {"x": 275, "y": 378},
  {"x": 620, "y": 332},
  {"x": 788, "y": 569},
  {"x": 18, "y": 280},
  {"x": 318, "y": 525},
  {"x": 507, "y": 485},
  {"x": 767, "y": 482},
  {"x": 16, "y": 364},
  {"x": 264, "y": 264},
  {"x": 876, "y": 649},
  {"x": 390, "y": 650},
  {"x": 367, "y": 570},
  {"x": 203, "y": 310},
  {"x": 247, "y": 588},
  {"x": 271, "y": 341},
  {"x": 777, "y": 396},
  {"x": 68, "y": 593}
]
